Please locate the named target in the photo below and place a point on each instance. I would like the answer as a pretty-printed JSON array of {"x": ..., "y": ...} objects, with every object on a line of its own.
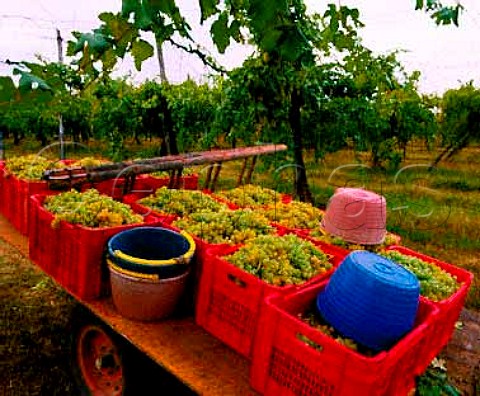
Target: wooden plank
[{"x": 180, "y": 346}]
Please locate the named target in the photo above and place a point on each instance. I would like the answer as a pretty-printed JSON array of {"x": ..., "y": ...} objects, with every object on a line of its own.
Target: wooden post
[{"x": 61, "y": 129}]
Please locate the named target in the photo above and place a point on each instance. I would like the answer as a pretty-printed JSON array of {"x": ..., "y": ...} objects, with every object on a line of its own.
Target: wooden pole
[
  {"x": 171, "y": 162},
  {"x": 61, "y": 130}
]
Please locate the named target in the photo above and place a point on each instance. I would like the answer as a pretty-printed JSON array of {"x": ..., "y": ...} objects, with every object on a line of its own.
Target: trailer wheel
[{"x": 99, "y": 362}]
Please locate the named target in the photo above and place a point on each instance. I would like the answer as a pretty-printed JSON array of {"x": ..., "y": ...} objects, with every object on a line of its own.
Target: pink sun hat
[{"x": 357, "y": 216}]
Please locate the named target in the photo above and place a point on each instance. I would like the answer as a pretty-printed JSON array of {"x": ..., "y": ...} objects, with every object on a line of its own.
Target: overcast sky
[{"x": 446, "y": 56}]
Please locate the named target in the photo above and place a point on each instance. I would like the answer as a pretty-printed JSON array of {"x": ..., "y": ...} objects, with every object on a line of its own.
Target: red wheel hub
[{"x": 99, "y": 362}]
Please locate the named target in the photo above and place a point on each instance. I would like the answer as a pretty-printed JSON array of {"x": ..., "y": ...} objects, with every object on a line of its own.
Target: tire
[
  {"x": 105, "y": 364},
  {"x": 100, "y": 369}
]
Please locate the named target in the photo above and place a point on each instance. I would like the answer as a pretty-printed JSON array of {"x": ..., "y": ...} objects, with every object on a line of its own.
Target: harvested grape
[
  {"x": 315, "y": 320},
  {"x": 181, "y": 202},
  {"x": 90, "y": 161},
  {"x": 250, "y": 195},
  {"x": 294, "y": 214},
  {"x": 163, "y": 174},
  {"x": 32, "y": 167},
  {"x": 227, "y": 226},
  {"x": 90, "y": 209},
  {"x": 390, "y": 239},
  {"x": 281, "y": 260},
  {"x": 435, "y": 283}
]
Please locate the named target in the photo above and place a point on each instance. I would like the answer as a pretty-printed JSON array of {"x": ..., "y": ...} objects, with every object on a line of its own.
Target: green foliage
[
  {"x": 434, "y": 382},
  {"x": 460, "y": 116},
  {"x": 441, "y": 14},
  {"x": 194, "y": 109}
]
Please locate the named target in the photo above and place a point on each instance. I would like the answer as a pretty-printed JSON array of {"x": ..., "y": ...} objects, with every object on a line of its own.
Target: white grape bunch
[
  {"x": 251, "y": 195},
  {"x": 180, "y": 202},
  {"x": 281, "y": 260},
  {"x": 435, "y": 283},
  {"x": 226, "y": 226},
  {"x": 89, "y": 209},
  {"x": 295, "y": 214}
]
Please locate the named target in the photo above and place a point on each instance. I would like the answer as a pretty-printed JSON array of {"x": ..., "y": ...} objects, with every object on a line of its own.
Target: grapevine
[
  {"x": 250, "y": 195},
  {"x": 181, "y": 202},
  {"x": 227, "y": 226},
  {"x": 281, "y": 260},
  {"x": 294, "y": 215},
  {"x": 435, "y": 283},
  {"x": 90, "y": 209}
]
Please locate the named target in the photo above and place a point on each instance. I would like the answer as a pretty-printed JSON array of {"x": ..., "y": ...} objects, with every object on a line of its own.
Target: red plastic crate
[
  {"x": 17, "y": 202},
  {"x": 449, "y": 309},
  {"x": 7, "y": 195},
  {"x": 43, "y": 240},
  {"x": 114, "y": 187},
  {"x": 2, "y": 188},
  {"x": 285, "y": 365},
  {"x": 229, "y": 299},
  {"x": 73, "y": 255},
  {"x": 24, "y": 189}
]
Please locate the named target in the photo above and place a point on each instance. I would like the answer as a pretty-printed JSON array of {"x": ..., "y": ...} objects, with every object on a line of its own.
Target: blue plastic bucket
[
  {"x": 371, "y": 300},
  {"x": 152, "y": 250}
]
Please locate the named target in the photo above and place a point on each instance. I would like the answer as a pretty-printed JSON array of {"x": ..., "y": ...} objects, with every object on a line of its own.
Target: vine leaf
[
  {"x": 141, "y": 50},
  {"x": 7, "y": 89},
  {"x": 270, "y": 39},
  {"x": 221, "y": 32},
  {"x": 96, "y": 41},
  {"x": 208, "y": 8},
  {"x": 29, "y": 82},
  {"x": 129, "y": 6}
]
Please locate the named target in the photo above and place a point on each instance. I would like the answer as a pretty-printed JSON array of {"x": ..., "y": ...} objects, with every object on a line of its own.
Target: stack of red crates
[
  {"x": 292, "y": 358},
  {"x": 16, "y": 194},
  {"x": 260, "y": 322},
  {"x": 442, "y": 329},
  {"x": 229, "y": 299}
]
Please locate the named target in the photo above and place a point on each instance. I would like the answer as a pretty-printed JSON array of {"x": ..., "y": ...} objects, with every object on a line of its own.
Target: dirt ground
[{"x": 35, "y": 334}]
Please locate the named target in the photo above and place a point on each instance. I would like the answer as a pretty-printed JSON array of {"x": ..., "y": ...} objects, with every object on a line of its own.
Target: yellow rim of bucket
[
  {"x": 177, "y": 260},
  {"x": 131, "y": 273}
]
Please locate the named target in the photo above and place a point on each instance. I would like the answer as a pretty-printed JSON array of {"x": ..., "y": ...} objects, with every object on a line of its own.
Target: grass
[{"x": 33, "y": 362}]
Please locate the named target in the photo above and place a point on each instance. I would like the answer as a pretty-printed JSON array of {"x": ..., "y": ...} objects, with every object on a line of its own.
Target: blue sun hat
[{"x": 371, "y": 300}]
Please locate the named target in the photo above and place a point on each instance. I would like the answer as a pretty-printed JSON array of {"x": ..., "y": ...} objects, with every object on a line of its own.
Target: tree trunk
[
  {"x": 161, "y": 60},
  {"x": 450, "y": 150},
  {"x": 302, "y": 190}
]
